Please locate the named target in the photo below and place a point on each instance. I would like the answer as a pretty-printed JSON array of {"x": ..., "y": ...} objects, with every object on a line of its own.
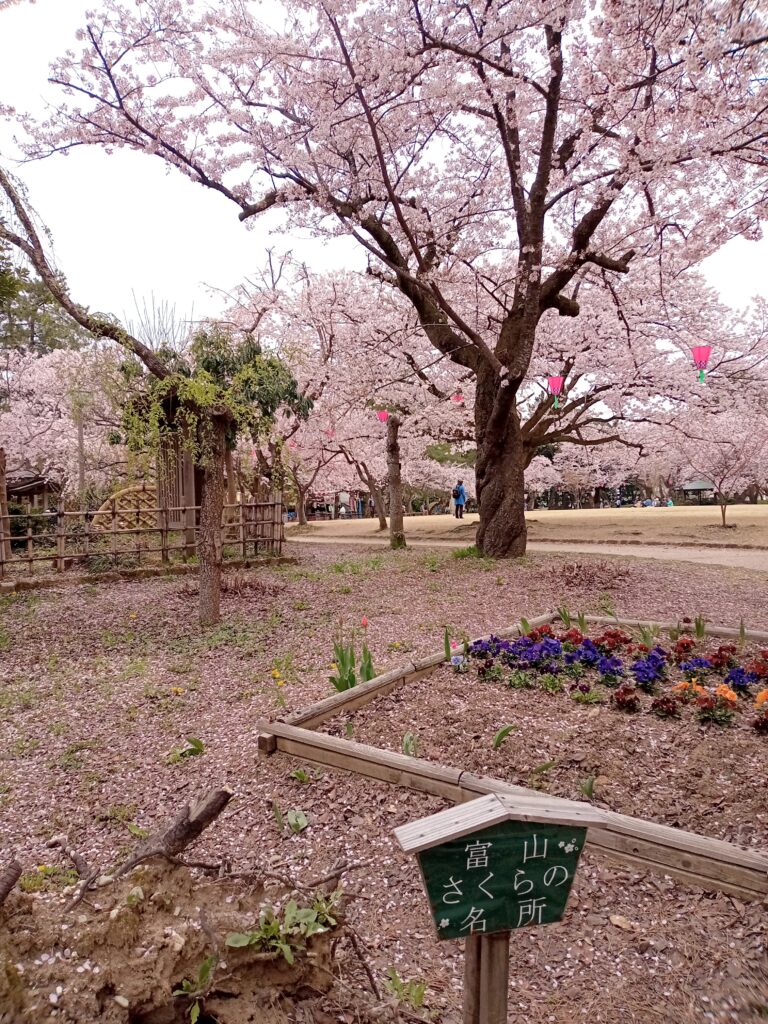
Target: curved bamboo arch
[{"x": 134, "y": 506}]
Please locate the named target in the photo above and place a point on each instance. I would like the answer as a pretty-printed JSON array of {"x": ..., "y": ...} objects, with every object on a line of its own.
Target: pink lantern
[
  {"x": 382, "y": 415},
  {"x": 555, "y": 387},
  {"x": 458, "y": 397},
  {"x": 701, "y": 354}
]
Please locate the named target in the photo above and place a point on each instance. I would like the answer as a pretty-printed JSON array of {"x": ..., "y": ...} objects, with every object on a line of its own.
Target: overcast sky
[{"x": 123, "y": 225}]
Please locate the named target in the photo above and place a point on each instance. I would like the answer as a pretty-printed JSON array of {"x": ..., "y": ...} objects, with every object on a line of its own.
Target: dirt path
[{"x": 739, "y": 558}]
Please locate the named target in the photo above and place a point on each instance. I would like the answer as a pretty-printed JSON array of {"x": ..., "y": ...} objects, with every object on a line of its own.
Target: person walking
[{"x": 459, "y": 496}]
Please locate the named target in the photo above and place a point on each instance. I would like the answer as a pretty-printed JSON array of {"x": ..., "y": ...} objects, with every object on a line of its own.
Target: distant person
[
  {"x": 371, "y": 507},
  {"x": 670, "y": 503},
  {"x": 459, "y": 496}
]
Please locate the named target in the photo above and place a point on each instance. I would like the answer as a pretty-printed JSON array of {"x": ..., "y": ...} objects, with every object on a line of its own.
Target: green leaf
[
  {"x": 297, "y": 820},
  {"x": 541, "y": 769},
  {"x": 194, "y": 1012},
  {"x": 502, "y": 734},
  {"x": 287, "y": 952},
  {"x": 205, "y": 972},
  {"x": 136, "y": 830},
  {"x": 196, "y": 746},
  {"x": 237, "y": 940}
]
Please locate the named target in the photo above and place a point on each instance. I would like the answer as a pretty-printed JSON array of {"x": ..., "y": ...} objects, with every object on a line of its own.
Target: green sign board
[{"x": 507, "y": 876}]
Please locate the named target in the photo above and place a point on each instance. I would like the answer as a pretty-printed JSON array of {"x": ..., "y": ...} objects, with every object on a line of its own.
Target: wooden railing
[{"x": 119, "y": 537}]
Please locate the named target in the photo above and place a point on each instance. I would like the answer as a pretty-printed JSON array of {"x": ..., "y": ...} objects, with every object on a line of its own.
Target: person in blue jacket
[{"x": 459, "y": 496}]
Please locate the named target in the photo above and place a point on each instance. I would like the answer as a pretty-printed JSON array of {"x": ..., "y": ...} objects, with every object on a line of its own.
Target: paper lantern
[
  {"x": 701, "y": 354},
  {"x": 555, "y": 387},
  {"x": 382, "y": 415}
]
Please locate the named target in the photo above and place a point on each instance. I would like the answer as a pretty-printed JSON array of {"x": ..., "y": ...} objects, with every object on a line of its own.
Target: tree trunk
[
  {"x": 396, "y": 531},
  {"x": 375, "y": 491},
  {"x": 4, "y": 520},
  {"x": 301, "y": 504},
  {"x": 723, "y": 508},
  {"x": 211, "y": 511},
  {"x": 500, "y": 472}
]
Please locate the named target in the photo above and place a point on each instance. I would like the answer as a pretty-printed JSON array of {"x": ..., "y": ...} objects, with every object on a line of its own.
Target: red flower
[{"x": 364, "y": 623}]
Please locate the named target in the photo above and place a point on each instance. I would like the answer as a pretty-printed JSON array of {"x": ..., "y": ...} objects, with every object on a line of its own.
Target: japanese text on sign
[{"x": 507, "y": 876}]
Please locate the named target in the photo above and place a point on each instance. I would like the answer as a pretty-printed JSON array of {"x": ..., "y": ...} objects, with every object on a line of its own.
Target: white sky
[{"x": 124, "y": 225}]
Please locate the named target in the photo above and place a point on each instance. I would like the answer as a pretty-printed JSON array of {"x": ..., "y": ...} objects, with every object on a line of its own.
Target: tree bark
[
  {"x": 723, "y": 509},
  {"x": 396, "y": 531},
  {"x": 500, "y": 471},
  {"x": 211, "y": 511},
  {"x": 4, "y": 520}
]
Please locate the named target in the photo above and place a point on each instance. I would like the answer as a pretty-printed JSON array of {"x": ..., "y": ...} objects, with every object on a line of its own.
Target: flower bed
[{"x": 719, "y": 683}]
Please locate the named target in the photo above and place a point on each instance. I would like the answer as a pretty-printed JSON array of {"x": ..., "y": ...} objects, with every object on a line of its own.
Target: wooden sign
[
  {"x": 491, "y": 866},
  {"x": 501, "y": 878}
]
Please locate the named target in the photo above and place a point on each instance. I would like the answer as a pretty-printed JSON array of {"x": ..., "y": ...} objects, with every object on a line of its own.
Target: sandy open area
[{"x": 747, "y": 525}]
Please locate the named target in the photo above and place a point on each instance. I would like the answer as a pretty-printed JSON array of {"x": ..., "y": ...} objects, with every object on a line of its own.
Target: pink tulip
[{"x": 364, "y": 622}]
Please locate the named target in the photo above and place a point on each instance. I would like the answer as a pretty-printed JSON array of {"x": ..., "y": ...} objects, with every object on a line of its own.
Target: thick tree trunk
[
  {"x": 5, "y": 522},
  {"x": 211, "y": 511},
  {"x": 396, "y": 531},
  {"x": 375, "y": 491},
  {"x": 500, "y": 472},
  {"x": 301, "y": 506}
]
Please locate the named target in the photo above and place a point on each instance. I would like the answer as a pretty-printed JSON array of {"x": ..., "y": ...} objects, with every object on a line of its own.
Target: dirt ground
[
  {"x": 747, "y": 524},
  {"x": 102, "y": 685}
]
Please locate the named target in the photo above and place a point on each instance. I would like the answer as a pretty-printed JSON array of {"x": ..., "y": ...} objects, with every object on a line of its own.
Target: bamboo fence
[{"x": 119, "y": 537}]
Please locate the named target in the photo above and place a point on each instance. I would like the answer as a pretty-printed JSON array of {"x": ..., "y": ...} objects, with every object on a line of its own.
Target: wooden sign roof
[{"x": 486, "y": 811}]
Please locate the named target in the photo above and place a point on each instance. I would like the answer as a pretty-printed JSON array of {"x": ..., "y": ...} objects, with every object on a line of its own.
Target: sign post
[{"x": 491, "y": 866}]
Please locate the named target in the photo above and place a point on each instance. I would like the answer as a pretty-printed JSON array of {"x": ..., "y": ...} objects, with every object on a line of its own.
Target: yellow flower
[
  {"x": 133, "y": 615},
  {"x": 275, "y": 673},
  {"x": 334, "y": 667},
  {"x": 761, "y": 698},
  {"x": 279, "y": 682},
  {"x": 178, "y": 690},
  {"x": 42, "y": 867}
]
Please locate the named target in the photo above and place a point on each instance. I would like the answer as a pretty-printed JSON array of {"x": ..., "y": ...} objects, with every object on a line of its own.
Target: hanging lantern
[
  {"x": 701, "y": 354},
  {"x": 555, "y": 387},
  {"x": 382, "y": 415},
  {"x": 458, "y": 397}
]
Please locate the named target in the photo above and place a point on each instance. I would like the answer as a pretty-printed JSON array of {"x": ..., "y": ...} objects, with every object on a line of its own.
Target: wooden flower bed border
[{"x": 643, "y": 845}]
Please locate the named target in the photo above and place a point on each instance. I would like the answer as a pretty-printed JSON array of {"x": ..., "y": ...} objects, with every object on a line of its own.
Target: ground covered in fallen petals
[{"x": 102, "y": 686}]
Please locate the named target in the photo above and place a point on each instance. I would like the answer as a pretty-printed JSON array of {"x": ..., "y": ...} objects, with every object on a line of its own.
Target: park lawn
[
  {"x": 102, "y": 685},
  {"x": 747, "y": 525}
]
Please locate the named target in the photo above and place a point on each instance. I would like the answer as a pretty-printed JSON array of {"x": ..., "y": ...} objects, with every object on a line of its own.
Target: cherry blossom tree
[
  {"x": 222, "y": 386},
  {"x": 729, "y": 450},
  {"x": 486, "y": 160},
  {"x": 59, "y": 417}
]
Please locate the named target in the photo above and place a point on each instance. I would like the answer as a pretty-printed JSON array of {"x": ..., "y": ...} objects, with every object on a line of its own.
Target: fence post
[
  {"x": 29, "y": 547},
  {"x": 164, "y": 532},
  {"x": 241, "y": 521},
  {"x": 113, "y": 530},
  {"x": 60, "y": 541},
  {"x": 86, "y": 537}
]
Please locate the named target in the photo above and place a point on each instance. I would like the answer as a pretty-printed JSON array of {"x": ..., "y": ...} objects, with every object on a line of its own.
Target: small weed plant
[
  {"x": 285, "y": 933},
  {"x": 411, "y": 992}
]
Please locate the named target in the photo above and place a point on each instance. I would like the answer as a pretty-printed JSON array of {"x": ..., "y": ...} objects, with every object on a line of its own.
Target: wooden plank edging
[
  {"x": 646, "y": 846},
  {"x": 350, "y": 700}
]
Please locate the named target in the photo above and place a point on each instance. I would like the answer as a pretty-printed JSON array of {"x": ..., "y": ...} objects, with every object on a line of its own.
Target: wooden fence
[
  {"x": 710, "y": 864},
  {"x": 120, "y": 537}
]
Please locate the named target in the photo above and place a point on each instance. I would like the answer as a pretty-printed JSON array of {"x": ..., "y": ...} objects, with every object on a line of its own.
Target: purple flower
[
  {"x": 739, "y": 678},
  {"x": 610, "y": 666},
  {"x": 695, "y": 666}
]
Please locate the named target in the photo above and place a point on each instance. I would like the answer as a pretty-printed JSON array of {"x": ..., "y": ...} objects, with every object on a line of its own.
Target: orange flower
[
  {"x": 689, "y": 689},
  {"x": 761, "y": 699},
  {"x": 726, "y": 693}
]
